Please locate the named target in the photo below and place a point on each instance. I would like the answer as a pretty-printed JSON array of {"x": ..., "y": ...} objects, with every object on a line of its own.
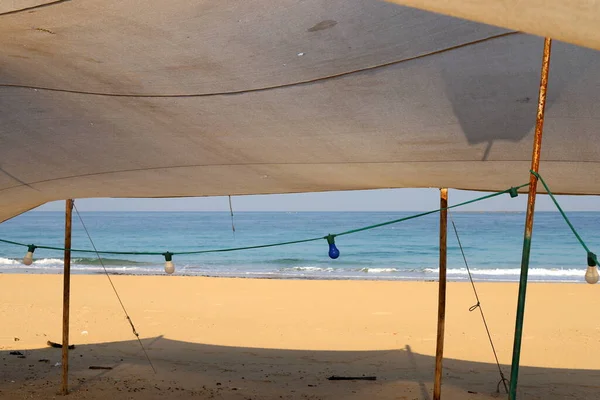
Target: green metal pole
[{"x": 535, "y": 164}]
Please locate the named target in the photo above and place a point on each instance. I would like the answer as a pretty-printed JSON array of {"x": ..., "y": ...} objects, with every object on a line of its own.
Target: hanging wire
[
  {"x": 503, "y": 380},
  {"x": 231, "y": 213},
  {"x": 137, "y": 335}
]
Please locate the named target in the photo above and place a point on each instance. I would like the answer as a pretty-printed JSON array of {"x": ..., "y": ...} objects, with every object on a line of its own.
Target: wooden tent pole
[
  {"x": 533, "y": 181},
  {"x": 439, "y": 352},
  {"x": 66, "y": 298}
]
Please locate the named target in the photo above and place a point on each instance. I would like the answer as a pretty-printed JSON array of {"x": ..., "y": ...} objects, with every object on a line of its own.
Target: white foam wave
[
  {"x": 379, "y": 270},
  {"x": 49, "y": 267},
  {"x": 512, "y": 271},
  {"x": 55, "y": 265},
  {"x": 308, "y": 269},
  {"x": 42, "y": 261},
  {"x": 48, "y": 261},
  {"x": 343, "y": 270}
]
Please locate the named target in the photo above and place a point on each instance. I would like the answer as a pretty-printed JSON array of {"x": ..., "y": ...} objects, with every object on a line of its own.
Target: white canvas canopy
[{"x": 113, "y": 98}]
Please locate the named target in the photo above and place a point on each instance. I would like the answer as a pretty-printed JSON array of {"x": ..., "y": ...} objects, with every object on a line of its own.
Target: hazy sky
[{"x": 372, "y": 200}]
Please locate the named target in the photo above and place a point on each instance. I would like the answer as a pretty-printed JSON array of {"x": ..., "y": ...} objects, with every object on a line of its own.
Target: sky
[{"x": 364, "y": 200}]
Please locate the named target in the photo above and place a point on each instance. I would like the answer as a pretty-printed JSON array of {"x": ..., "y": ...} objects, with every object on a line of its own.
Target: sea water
[{"x": 492, "y": 243}]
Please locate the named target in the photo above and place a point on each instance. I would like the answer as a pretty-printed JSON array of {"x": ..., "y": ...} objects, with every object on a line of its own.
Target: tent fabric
[
  {"x": 11, "y": 6},
  {"x": 121, "y": 98},
  {"x": 573, "y": 21}
]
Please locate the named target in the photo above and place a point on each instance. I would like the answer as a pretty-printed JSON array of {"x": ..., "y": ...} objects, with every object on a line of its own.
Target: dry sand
[{"x": 271, "y": 339}]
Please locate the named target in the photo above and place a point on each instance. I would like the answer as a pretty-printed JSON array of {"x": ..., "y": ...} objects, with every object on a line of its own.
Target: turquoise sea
[{"x": 404, "y": 251}]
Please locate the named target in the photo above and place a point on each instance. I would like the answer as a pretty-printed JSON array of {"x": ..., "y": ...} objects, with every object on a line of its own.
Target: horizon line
[{"x": 309, "y": 211}]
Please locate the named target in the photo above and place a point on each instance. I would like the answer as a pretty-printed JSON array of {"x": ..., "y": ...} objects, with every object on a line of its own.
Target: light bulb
[
  {"x": 591, "y": 274},
  {"x": 28, "y": 259},
  {"x": 333, "y": 251},
  {"x": 169, "y": 266}
]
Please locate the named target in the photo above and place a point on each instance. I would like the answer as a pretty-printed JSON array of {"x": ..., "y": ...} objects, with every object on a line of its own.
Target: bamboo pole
[
  {"x": 66, "y": 298},
  {"x": 439, "y": 352},
  {"x": 535, "y": 164}
]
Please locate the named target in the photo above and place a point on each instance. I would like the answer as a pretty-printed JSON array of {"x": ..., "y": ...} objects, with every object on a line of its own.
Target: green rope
[
  {"x": 17, "y": 243},
  {"x": 395, "y": 221},
  {"x": 261, "y": 246},
  {"x": 590, "y": 254},
  {"x": 511, "y": 191}
]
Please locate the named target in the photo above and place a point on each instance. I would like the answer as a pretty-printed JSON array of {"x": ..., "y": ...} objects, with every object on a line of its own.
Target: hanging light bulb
[
  {"x": 333, "y": 251},
  {"x": 591, "y": 275},
  {"x": 169, "y": 266},
  {"x": 513, "y": 192},
  {"x": 28, "y": 259}
]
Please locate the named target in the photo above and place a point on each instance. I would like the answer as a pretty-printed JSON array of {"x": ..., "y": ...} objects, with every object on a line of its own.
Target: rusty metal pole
[
  {"x": 535, "y": 164},
  {"x": 439, "y": 351},
  {"x": 66, "y": 298}
]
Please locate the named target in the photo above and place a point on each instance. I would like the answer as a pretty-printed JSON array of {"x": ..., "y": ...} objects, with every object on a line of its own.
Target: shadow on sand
[{"x": 194, "y": 370}]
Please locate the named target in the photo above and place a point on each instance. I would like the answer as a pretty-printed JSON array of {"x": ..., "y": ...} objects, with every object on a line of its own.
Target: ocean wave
[
  {"x": 89, "y": 269},
  {"x": 345, "y": 270},
  {"x": 19, "y": 261},
  {"x": 382, "y": 270},
  {"x": 511, "y": 271},
  {"x": 106, "y": 261},
  {"x": 46, "y": 261},
  {"x": 9, "y": 261},
  {"x": 307, "y": 269},
  {"x": 74, "y": 261},
  {"x": 284, "y": 261}
]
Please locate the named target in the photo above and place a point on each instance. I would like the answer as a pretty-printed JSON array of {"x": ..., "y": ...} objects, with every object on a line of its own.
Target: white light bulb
[
  {"x": 28, "y": 259},
  {"x": 591, "y": 275},
  {"x": 169, "y": 267}
]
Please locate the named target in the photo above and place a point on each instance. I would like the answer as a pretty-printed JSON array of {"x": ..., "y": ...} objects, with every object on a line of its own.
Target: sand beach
[{"x": 227, "y": 338}]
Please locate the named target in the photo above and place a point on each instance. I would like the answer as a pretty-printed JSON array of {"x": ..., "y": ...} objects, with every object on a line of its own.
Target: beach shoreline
[
  {"x": 576, "y": 276},
  {"x": 268, "y": 338},
  {"x": 259, "y": 276}
]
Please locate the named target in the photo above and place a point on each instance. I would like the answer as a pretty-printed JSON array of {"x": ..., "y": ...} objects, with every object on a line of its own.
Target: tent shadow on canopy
[
  {"x": 496, "y": 100},
  {"x": 187, "y": 370}
]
